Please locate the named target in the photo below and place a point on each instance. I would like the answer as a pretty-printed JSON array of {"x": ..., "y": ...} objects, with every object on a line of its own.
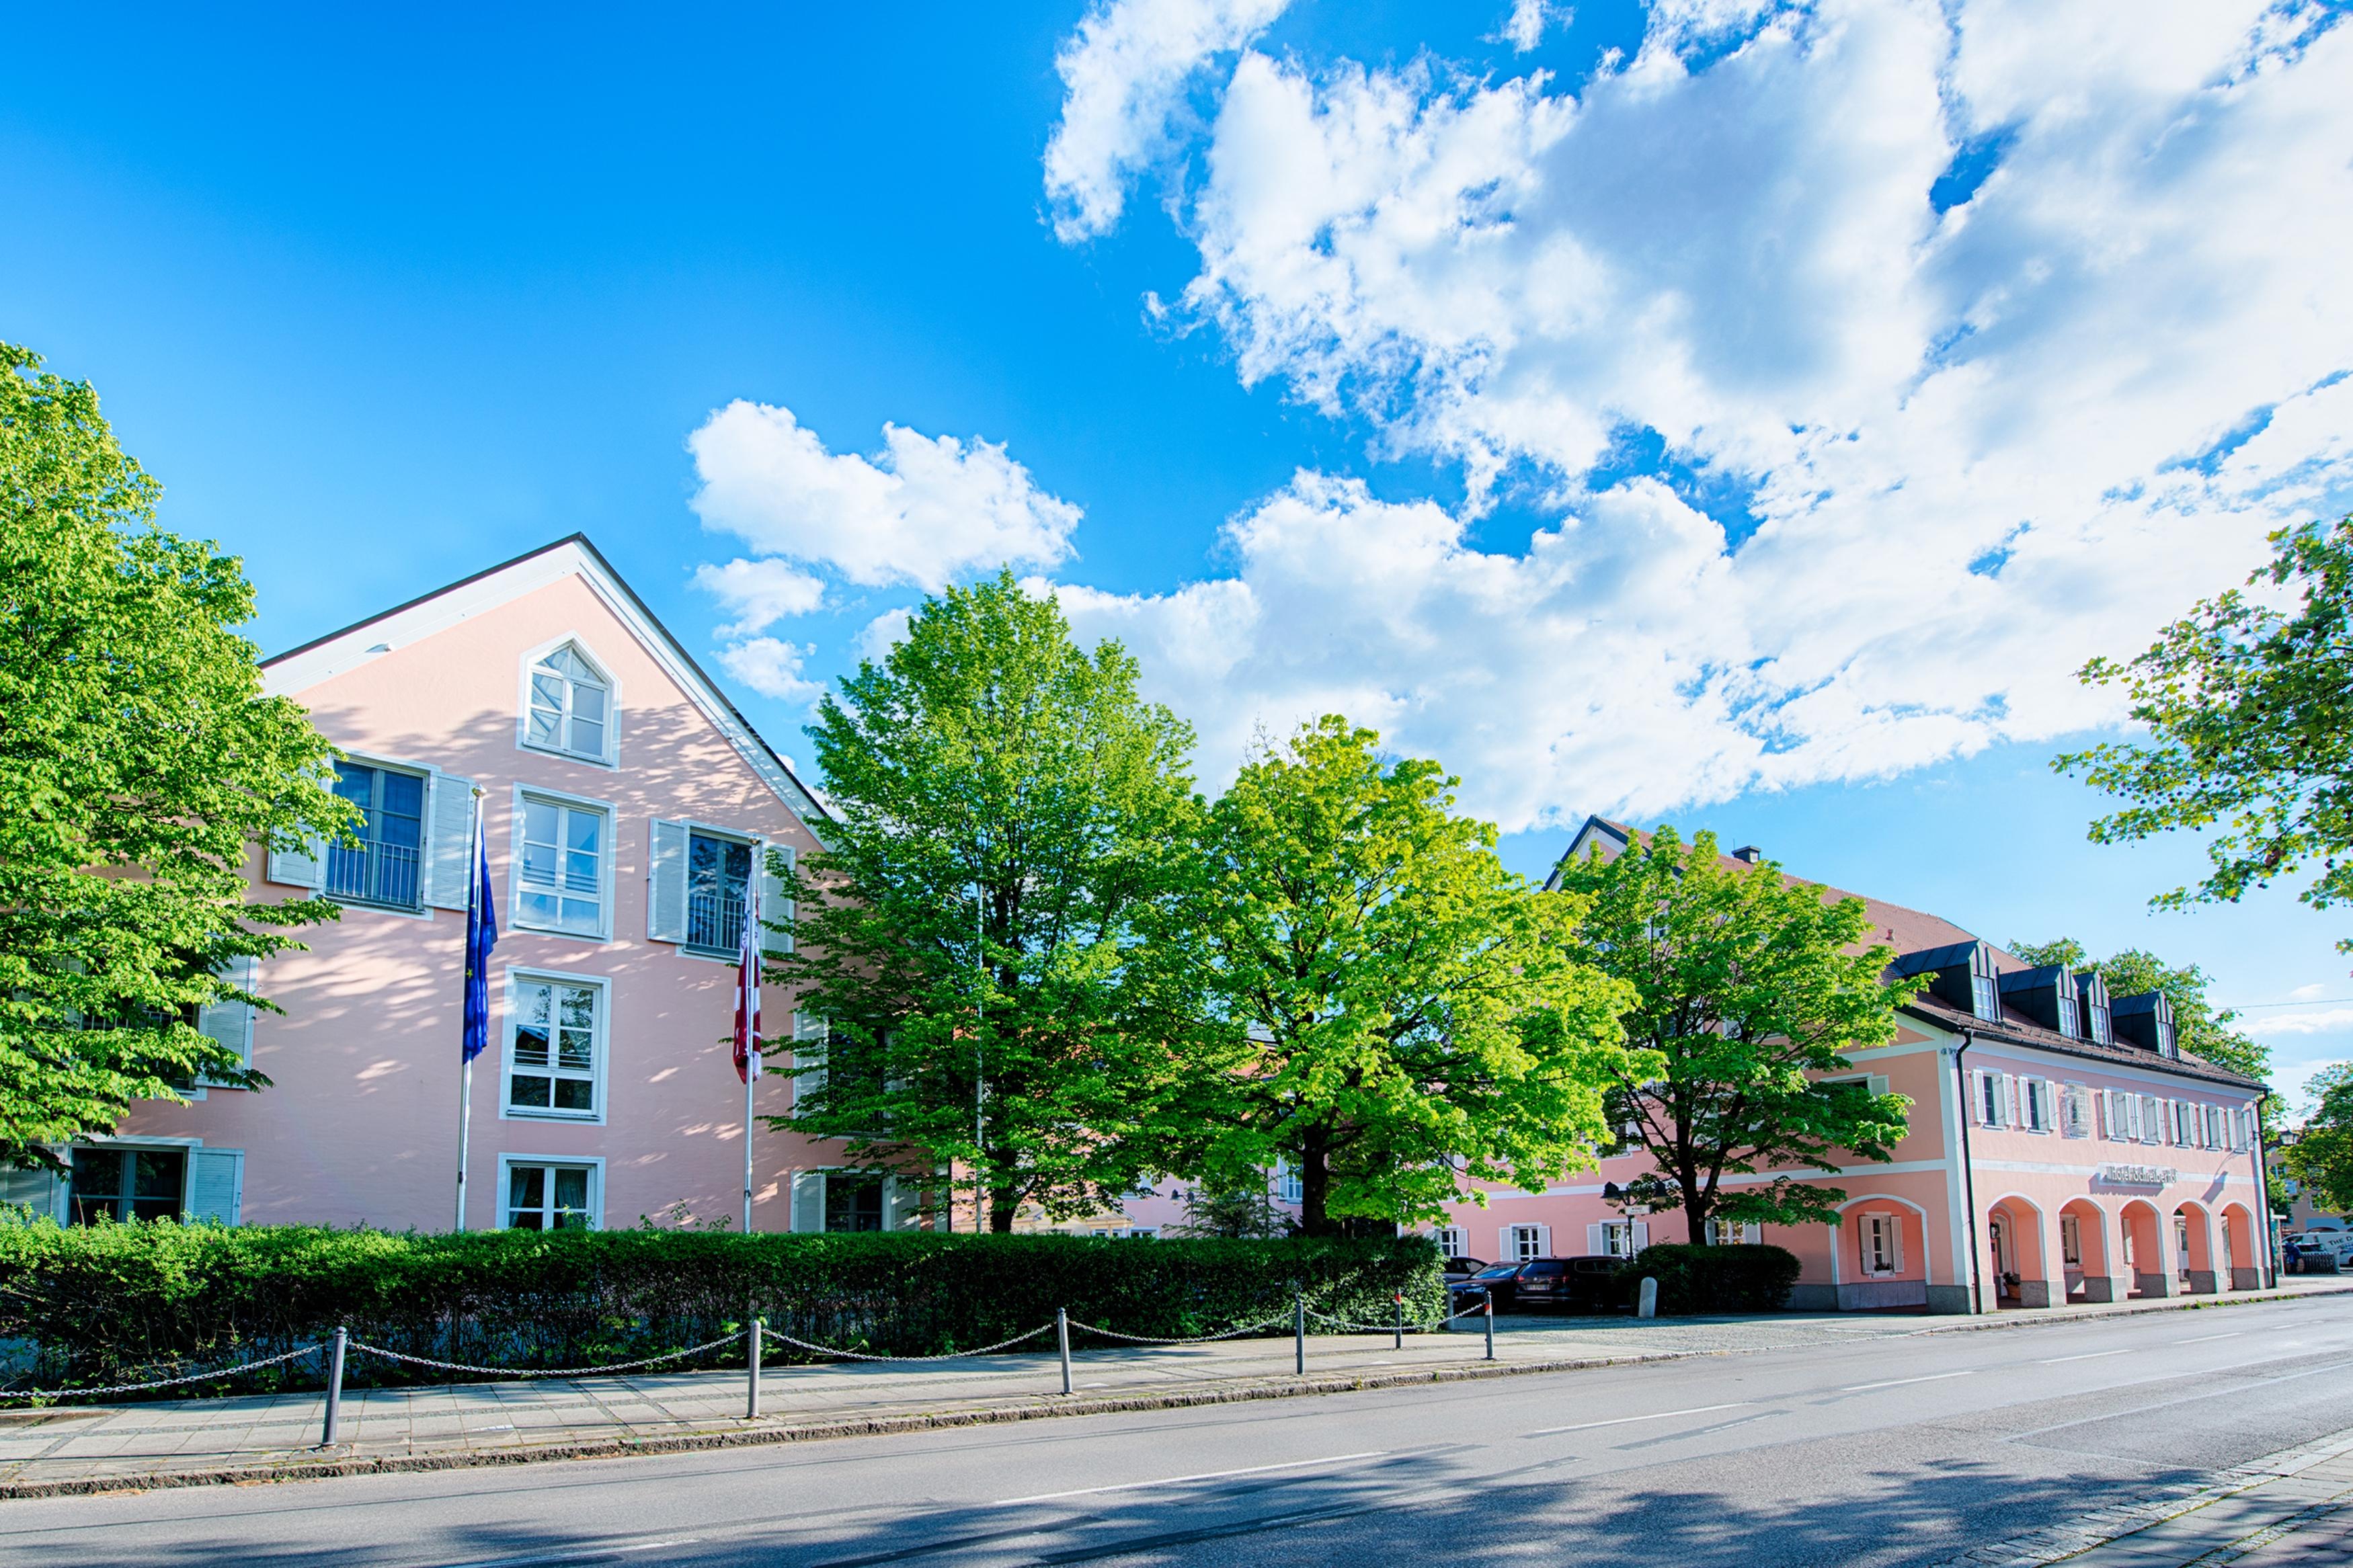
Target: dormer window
[
  {"x": 2045, "y": 997},
  {"x": 1960, "y": 975},
  {"x": 2094, "y": 993},
  {"x": 571, "y": 705},
  {"x": 2145, "y": 1020}
]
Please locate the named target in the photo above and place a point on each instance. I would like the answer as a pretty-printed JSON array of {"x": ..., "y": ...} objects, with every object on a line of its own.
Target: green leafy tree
[
  {"x": 2321, "y": 1157},
  {"x": 1748, "y": 986},
  {"x": 1010, "y": 815},
  {"x": 2198, "y": 1027},
  {"x": 2250, "y": 709},
  {"x": 1400, "y": 1013},
  {"x": 140, "y": 762}
]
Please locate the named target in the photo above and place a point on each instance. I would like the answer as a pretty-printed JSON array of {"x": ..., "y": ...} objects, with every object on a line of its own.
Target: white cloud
[
  {"x": 2312, "y": 993},
  {"x": 921, "y": 511},
  {"x": 759, "y": 593},
  {"x": 1523, "y": 29},
  {"x": 770, "y": 668},
  {"x": 2327, "y": 1021},
  {"x": 876, "y": 639},
  {"x": 1124, "y": 73},
  {"x": 1980, "y": 445}
]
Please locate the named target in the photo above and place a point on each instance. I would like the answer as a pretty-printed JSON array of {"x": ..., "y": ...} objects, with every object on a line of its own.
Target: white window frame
[
  {"x": 2071, "y": 1241},
  {"x": 423, "y": 909},
  {"x": 751, "y": 841},
  {"x": 1288, "y": 1185},
  {"x": 1453, "y": 1241},
  {"x": 1528, "y": 1244},
  {"x": 611, "y": 755},
  {"x": 607, "y": 856},
  {"x": 593, "y": 1163},
  {"x": 1740, "y": 1233},
  {"x": 1617, "y": 1239},
  {"x": 1873, "y": 1229},
  {"x": 599, "y": 1047}
]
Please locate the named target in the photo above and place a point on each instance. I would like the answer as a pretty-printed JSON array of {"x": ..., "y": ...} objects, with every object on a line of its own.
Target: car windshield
[{"x": 1501, "y": 1271}]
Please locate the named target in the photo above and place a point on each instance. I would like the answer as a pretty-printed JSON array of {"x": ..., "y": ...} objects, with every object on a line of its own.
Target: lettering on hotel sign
[{"x": 2136, "y": 1175}]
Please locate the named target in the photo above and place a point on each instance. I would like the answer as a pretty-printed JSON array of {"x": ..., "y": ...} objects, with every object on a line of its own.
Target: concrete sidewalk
[{"x": 202, "y": 1441}]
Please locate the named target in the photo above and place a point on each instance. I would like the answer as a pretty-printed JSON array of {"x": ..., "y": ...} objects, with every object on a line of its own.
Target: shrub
[
  {"x": 1714, "y": 1278},
  {"x": 121, "y": 1303}
]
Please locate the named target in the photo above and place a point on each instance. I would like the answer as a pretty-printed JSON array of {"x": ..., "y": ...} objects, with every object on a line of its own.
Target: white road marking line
[
  {"x": 1182, "y": 1480},
  {"x": 577, "y": 1554},
  {"x": 1900, "y": 1381},
  {"x": 2087, "y": 1356},
  {"x": 1654, "y": 1415},
  {"x": 2202, "y": 1338}
]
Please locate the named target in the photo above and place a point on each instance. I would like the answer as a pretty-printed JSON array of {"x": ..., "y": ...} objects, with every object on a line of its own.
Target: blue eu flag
[{"x": 481, "y": 935}]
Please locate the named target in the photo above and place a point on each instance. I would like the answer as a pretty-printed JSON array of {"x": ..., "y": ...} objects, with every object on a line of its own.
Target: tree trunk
[
  {"x": 1316, "y": 1183},
  {"x": 1004, "y": 1208}
]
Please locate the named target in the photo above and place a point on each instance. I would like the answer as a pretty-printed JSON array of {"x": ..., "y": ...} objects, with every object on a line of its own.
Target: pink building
[
  {"x": 625, "y": 800},
  {"x": 2062, "y": 1148}
]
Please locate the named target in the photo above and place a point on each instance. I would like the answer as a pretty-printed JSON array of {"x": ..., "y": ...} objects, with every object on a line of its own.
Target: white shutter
[
  {"x": 1878, "y": 1084},
  {"x": 1981, "y": 1096},
  {"x": 1543, "y": 1241},
  {"x": 808, "y": 1201},
  {"x": 899, "y": 1204},
  {"x": 1597, "y": 1241},
  {"x": 2009, "y": 1103},
  {"x": 1895, "y": 1240},
  {"x": 301, "y": 868},
  {"x": 450, "y": 842},
  {"x": 35, "y": 1190},
  {"x": 216, "y": 1185},
  {"x": 775, "y": 906},
  {"x": 1642, "y": 1236},
  {"x": 810, "y": 1037},
  {"x": 1505, "y": 1252},
  {"x": 230, "y": 1022},
  {"x": 666, "y": 882}
]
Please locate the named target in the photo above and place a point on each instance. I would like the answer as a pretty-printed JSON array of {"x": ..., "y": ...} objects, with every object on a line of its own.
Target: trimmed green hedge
[
  {"x": 120, "y": 1303},
  {"x": 1697, "y": 1279}
]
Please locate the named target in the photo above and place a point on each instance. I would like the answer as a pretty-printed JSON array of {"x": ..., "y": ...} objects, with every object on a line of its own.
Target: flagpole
[
  {"x": 466, "y": 1076},
  {"x": 748, "y": 1020}
]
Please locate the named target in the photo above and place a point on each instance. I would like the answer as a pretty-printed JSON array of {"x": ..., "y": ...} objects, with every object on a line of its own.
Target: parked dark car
[
  {"x": 1568, "y": 1284},
  {"x": 1461, "y": 1268},
  {"x": 1496, "y": 1281}
]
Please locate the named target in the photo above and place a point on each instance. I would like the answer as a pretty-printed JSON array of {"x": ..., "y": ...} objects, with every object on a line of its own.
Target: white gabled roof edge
[{"x": 299, "y": 669}]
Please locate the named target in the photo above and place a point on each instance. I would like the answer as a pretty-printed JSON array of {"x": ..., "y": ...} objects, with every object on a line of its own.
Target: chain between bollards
[
  {"x": 1299, "y": 1334},
  {"x": 752, "y": 1338},
  {"x": 1063, "y": 1343},
  {"x": 334, "y": 1385},
  {"x": 1491, "y": 1325}
]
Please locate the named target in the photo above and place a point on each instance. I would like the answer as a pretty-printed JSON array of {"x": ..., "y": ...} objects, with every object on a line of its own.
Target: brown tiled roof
[{"x": 1915, "y": 930}]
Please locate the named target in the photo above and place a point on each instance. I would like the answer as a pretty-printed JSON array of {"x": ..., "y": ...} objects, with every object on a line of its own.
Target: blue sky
[{"x": 1731, "y": 412}]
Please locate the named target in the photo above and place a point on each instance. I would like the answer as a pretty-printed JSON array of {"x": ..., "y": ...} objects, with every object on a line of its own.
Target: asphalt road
[{"x": 1904, "y": 1451}]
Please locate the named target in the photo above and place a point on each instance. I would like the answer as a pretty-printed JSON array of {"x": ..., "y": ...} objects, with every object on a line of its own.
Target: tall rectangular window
[
  {"x": 1288, "y": 1188},
  {"x": 717, "y": 872},
  {"x": 1882, "y": 1243},
  {"x": 550, "y": 1196},
  {"x": 2071, "y": 1241},
  {"x": 1454, "y": 1242},
  {"x": 1527, "y": 1242},
  {"x": 556, "y": 1050},
  {"x": 562, "y": 881},
  {"x": 382, "y": 868}
]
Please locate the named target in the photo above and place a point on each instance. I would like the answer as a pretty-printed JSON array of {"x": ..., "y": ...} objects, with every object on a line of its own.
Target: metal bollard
[
  {"x": 753, "y": 1336},
  {"x": 1062, "y": 1342},
  {"x": 334, "y": 1385},
  {"x": 1491, "y": 1325},
  {"x": 1400, "y": 1320},
  {"x": 1299, "y": 1334}
]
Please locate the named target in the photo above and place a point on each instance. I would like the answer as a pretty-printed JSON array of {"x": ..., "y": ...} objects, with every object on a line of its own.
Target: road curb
[{"x": 315, "y": 1466}]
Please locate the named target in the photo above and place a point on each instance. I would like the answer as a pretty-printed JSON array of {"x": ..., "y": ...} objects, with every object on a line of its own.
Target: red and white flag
[{"x": 747, "y": 978}]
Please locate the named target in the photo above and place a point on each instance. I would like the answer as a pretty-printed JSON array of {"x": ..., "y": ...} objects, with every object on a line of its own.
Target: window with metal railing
[
  {"x": 382, "y": 868},
  {"x": 717, "y": 872}
]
